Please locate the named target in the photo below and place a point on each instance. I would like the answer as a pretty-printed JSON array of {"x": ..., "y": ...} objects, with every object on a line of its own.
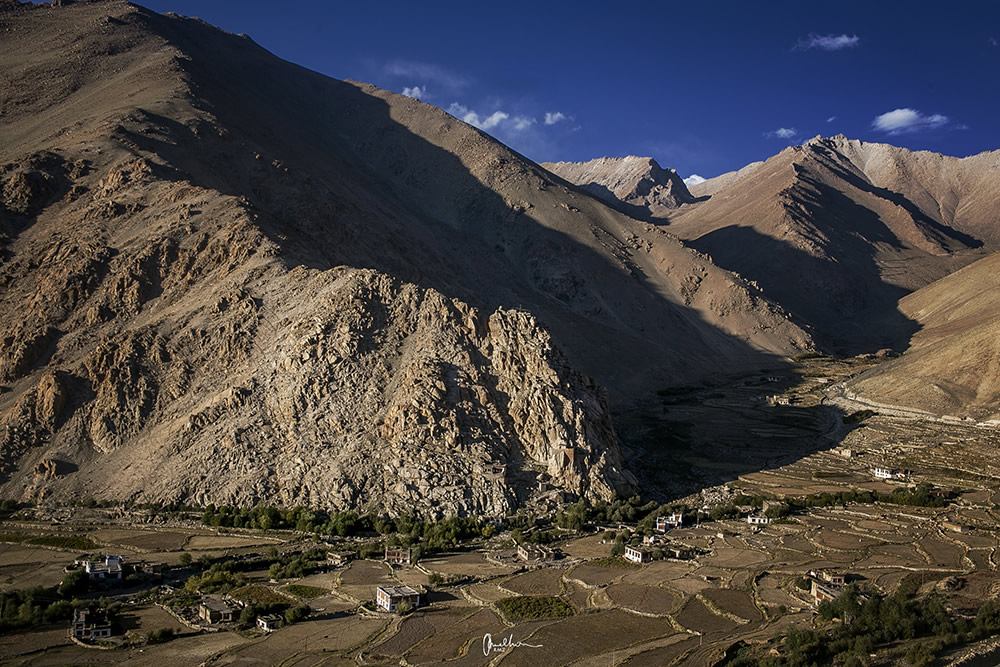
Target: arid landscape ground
[{"x": 258, "y": 327}]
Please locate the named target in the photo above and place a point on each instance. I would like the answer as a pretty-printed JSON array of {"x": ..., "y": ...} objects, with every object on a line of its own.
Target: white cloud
[
  {"x": 519, "y": 123},
  {"x": 831, "y": 119},
  {"x": 828, "y": 42},
  {"x": 551, "y": 118},
  {"x": 899, "y": 121},
  {"x": 782, "y": 133},
  {"x": 994, "y": 42},
  {"x": 427, "y": 72},
  {"x": 416, "y": 92},
  {"x": 473, "y": 118},
  {"x": 490, "y": 121},
  {"x": 693, "y": 179}
]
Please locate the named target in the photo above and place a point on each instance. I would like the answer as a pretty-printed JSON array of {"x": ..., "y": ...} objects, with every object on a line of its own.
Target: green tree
[
  {"x": 160, "y": 635},
  {"x": 296, "y": 614},
  {"x": 74, "y": 584},
  {"x": 248, "y": 616}
]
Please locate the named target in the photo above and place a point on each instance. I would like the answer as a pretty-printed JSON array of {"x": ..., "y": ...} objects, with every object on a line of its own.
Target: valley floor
[{"x": 739, "y": 583}]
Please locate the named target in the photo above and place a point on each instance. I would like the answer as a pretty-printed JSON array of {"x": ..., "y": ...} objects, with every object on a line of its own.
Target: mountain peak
[{"x": 638, "y": 185}]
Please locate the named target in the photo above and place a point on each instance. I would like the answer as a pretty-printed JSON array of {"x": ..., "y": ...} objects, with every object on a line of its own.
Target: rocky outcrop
[
  {"x": 639, "y": 185},
  {"x": 190, "y": 366}
]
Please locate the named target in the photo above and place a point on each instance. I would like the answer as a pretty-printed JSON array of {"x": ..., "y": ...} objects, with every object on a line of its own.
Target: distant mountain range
[
  {"x": 228, "y": 279},
  {"x": 837, "y": 231}
]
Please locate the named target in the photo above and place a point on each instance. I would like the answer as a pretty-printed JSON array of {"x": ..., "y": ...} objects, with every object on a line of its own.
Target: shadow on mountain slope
[
  {"x": 845, "y": 298},
  {"x": 338, "y": 175},
  {"x": 683, "y": 439},
  {"x": 337, "y": 179}
]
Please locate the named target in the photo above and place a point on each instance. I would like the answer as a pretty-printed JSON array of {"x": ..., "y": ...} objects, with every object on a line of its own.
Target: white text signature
[{"x": 490, "y": 646}]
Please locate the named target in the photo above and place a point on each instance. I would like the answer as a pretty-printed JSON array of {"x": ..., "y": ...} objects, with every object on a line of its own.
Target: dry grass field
[
  {"x": 465, "y": 563},
  {"x": 644, "y": 599},
  {"x": 22, "y": 566},
  {"x": 665, "y": 655},
  {"x": 695, "y": 616},
  {"x": 213, "y": 542},
  {"x": 733, "y": 602},
  {"x": 21, "y": 643},
  {"x": 307, "y": 641},
  {"x": 141, "y": 540},
  {"x": 459, "y": 641},
  {"x": 586, "y": 635},
  {"x": 546, "y": 581},
  {"x": 593, "y": 576}
]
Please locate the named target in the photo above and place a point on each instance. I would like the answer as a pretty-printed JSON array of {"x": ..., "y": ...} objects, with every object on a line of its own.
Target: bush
[
  {"x": 526, "y": 607},
  {"x": 248, "y": 615},
  {"x": 74, "y": 584},
  {"x": 296, "y": 614},
  {"x": 859, "y": 416},
  {"x": 160, "y": 635}
]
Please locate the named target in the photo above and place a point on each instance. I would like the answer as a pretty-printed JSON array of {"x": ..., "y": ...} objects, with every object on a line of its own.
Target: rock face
[
  {"x": 637, "y": 185},
  {"x": 227, "y": 279},
  {"x": 193, "y": 367}
]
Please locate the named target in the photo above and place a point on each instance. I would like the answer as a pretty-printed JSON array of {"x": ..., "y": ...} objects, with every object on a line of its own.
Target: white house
[
  {"x": 110, "y": 569},
  {"x": 665, "y": 523},
  {"x": 638, "y": 554},
  {"x": 268, "y": 623},
  {"x": 390, "y": 597},
  {"x": 889, "y": 473},
  {"x": 89, "y": 625}
]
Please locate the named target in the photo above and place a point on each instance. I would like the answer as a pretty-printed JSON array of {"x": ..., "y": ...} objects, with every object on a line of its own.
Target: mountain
[
  {"x": 837, "y": 230},
  {"x": 228, "y": 279},
  {"x": 637, "y": 186},
  {"x": 953, "y": 364}
]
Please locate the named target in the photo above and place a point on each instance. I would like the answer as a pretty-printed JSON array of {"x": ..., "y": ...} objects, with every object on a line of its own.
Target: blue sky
[{"x": 703, "y": 87}]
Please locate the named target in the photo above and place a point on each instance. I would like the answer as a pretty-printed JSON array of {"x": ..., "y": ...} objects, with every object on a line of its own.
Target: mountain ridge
[{"x": 838, "y": 230}]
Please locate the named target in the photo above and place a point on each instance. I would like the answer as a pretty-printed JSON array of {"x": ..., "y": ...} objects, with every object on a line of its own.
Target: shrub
[
  {"x": 296, "y": 614},
  {"x": 527, "y": 607},
  {"x": 74, "y": 584},
  {"x": 160, "y": 635}
]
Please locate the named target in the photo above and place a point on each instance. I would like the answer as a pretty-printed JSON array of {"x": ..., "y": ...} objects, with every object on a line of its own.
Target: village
[{"x": 737, "y": 563}]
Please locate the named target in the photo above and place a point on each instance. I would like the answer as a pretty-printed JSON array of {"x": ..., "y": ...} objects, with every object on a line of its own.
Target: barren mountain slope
[
  {"x": 953, "y": 364},
  {"x": 815, "y": 227},
  {"x": 710, "y": 186},
  {"x": 636, "y": 185},
  {"x": 226, "y": 278},
  {"x": 961, "y": 193}
]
